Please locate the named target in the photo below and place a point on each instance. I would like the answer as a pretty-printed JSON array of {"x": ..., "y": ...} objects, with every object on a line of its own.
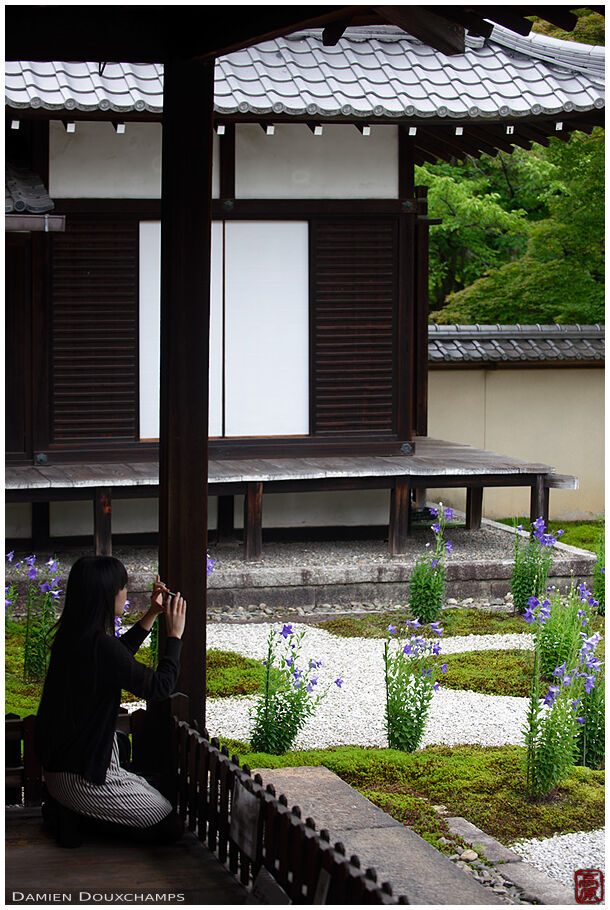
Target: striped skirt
[{"x": 124, "y": 798}]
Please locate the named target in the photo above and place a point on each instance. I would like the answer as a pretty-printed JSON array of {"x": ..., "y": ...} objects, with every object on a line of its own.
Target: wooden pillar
[
  {"x": 474, "y": 507},
  {"x": 253, "y": 522},
  {"x": 539, "y": 503},
  {"x": 40, "y": 525},
  {"x": 186, "y": 182},
  {"x": 400, "y": 516},
  {"x": 102, "y": 522},
  {"x": 225, "y": 523}
]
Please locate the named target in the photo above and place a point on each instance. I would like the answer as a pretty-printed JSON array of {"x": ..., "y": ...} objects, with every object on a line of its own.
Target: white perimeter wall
[
  {"x": 295, "y": 164},
  {"x": 97, "y": 162},
  {"x": 553, "y": 416}
]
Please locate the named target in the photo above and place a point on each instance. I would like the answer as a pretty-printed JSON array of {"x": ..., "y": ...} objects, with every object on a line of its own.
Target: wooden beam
[
  {"x": 225, "y": 524},
  {"x": 18, "y": 222},
  {"x": 334, "y": 32},
  {"x": 539, "y": 501},
  {"x": 406, "y": 164},
  {"x": 504, "y": 16},
  {"x": 447, "y": 37},
  {"x": 475, "y": 25},
  {"x": 186, "y": 186}
]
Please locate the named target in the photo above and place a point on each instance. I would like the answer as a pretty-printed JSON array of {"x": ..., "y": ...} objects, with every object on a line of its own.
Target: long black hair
[{"x": 93, "y": 584}]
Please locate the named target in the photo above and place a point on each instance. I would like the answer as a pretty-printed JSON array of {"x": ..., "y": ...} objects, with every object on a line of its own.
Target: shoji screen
[{"x": 266, "y": 328}]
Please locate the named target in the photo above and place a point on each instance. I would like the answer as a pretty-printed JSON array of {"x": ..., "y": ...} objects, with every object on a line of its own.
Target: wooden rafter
[{"x": 447, "y": 37}]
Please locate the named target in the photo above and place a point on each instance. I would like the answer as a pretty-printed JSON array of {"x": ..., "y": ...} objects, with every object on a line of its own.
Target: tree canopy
[{"x": 522, "y": 233}]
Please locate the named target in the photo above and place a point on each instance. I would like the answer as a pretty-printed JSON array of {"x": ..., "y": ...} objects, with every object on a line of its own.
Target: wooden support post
[
  {"x": 420, "y": 498},
  {"x": 400, "y": 516},
  {"x": 40, "y": 525},
  {"x": 225, "y": 524},
  {"x": 253, "y": 522},
  {"x": 474, "y": 507},
  {"x": 102, "y": 521},
  {"x": 186, "y": 191},
  {"x": 539, "y": 503}
]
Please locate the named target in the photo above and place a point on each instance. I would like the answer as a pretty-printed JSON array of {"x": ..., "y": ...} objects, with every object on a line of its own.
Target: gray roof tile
[
  {"x": 378, "y": 72},
  {"x": 515, "y": 343}
]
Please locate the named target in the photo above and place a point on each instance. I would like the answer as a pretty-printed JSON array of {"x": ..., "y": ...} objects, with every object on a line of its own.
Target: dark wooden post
[
  {"x": 40, "y": 525},
  {"x": 102, "y": 521},
  {"x": 188, "y": 103},
  {"x": 400, "y": 516},
  {"x": 225, "y": 523},
  {"x": 539, "y": 503},
  {"x": 253, "y": 522},
  {"x": 474, "y": 507}
]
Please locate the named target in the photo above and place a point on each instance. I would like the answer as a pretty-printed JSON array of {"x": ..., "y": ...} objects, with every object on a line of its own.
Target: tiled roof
[
  {"x": 374, "y": 73},
  {"x": 24, "y": 192},
  {"x": 515, "y": 343}
]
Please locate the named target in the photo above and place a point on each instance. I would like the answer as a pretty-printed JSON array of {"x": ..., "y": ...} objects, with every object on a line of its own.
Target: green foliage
[
  {"x": 559, "y": 277},
  {"x": 20, "y": 698},
  {"x": 41, "y": 597},
  {"x": 287, "y": 700},
  {"x": 410, "y": 682},
  {"x": 551, "y": 748},
  {"x": 591, "y": 739},
  {"x": 584, "y": 534},
  {"x": 599, "y": 574},
  {"x": 558, "y": 640},
  {"x": 531, "y": 565},
  {"x": 590, "y": 28}
]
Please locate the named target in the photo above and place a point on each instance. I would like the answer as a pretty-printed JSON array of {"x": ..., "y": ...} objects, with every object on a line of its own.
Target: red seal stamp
[{"x": 588, "y": 886}]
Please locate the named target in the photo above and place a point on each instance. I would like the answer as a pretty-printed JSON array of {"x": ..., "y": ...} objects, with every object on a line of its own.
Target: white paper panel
[
  {"x": 150, "y": 284},
  {"x": 216, "y": 295},
  {"x": 267, "y": 328},
  {"x": 150, "y": 295}
]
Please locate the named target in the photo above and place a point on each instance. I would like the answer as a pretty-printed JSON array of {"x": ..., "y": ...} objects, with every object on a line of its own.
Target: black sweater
[{"x": 82, "y": 693}]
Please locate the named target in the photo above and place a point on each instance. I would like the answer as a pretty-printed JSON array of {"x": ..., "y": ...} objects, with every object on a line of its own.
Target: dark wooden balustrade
[{"x": 265, "y": 843}]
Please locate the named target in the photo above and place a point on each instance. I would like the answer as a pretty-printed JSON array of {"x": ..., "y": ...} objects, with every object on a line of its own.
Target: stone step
[{"x": 411, "y": 865}]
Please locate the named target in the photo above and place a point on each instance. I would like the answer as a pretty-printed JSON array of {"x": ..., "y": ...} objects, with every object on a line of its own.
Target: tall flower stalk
[
  {"x": 532, "y": 564},
  {"x": 566, "y": 723},
  {"x": 291, "y": 694},
  {"x": 410, "y": 683},
  {"x": 427, "y": 585},
  {"x": 41, "y": 598}
]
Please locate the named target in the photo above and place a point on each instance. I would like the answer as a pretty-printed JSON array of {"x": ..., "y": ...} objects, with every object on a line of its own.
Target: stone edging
[{"x": 533, "y": 884}]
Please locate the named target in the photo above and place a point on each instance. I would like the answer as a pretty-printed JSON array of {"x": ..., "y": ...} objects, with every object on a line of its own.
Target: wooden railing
[{"x": 274, "y": 852}]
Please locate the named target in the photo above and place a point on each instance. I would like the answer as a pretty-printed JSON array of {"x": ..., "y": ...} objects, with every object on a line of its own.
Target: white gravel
[
  {"x": 562, "y": 855},
  {"x": 354, "y": 714}
]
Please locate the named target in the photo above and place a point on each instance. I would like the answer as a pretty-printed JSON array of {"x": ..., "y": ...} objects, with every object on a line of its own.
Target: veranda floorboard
[{"x": 36, "y": 865}]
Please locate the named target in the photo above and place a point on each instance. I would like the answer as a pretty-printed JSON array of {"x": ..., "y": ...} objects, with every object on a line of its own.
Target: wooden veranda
[{"x": 433, "y": 463}]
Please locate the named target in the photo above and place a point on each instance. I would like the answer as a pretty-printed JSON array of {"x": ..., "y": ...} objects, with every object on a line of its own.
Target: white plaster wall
[
  {"x": 17, "y": 519},
  {"x": 553, "y": 416},
  {"x": 295, "y": 164},
  {"x": 331, "y": 509},
  {"x": 97, "y": 162}
]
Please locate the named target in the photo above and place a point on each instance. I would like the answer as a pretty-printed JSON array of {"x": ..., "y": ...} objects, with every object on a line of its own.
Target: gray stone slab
[
  {"x": 331, "y": 802},
  {"x": 413, "y": 867},
  {"x": 398, "y": 855},
  {"x": 494, "y": 851},
  {"x": 544, "y": 889}
]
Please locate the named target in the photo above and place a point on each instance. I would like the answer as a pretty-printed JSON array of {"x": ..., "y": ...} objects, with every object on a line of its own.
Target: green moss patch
[
  {"x": 231, "y": 674},
  {"x": 457, "y": 621},
  {"x": 583, "y": 534}
]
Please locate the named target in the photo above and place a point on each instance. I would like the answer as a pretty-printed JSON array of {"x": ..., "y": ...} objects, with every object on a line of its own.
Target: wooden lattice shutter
[
  {"x": 354, "y": 288},
  {"x": 94, "y": 325}
]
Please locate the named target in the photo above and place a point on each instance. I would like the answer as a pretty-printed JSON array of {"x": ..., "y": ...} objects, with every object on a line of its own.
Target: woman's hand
[
  {"x": 175, "y": 616},
  {"x": 157, "y": 598}
]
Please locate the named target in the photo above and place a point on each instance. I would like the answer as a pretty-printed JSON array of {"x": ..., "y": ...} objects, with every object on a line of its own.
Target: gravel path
[{"x": 559, "y": 856}]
